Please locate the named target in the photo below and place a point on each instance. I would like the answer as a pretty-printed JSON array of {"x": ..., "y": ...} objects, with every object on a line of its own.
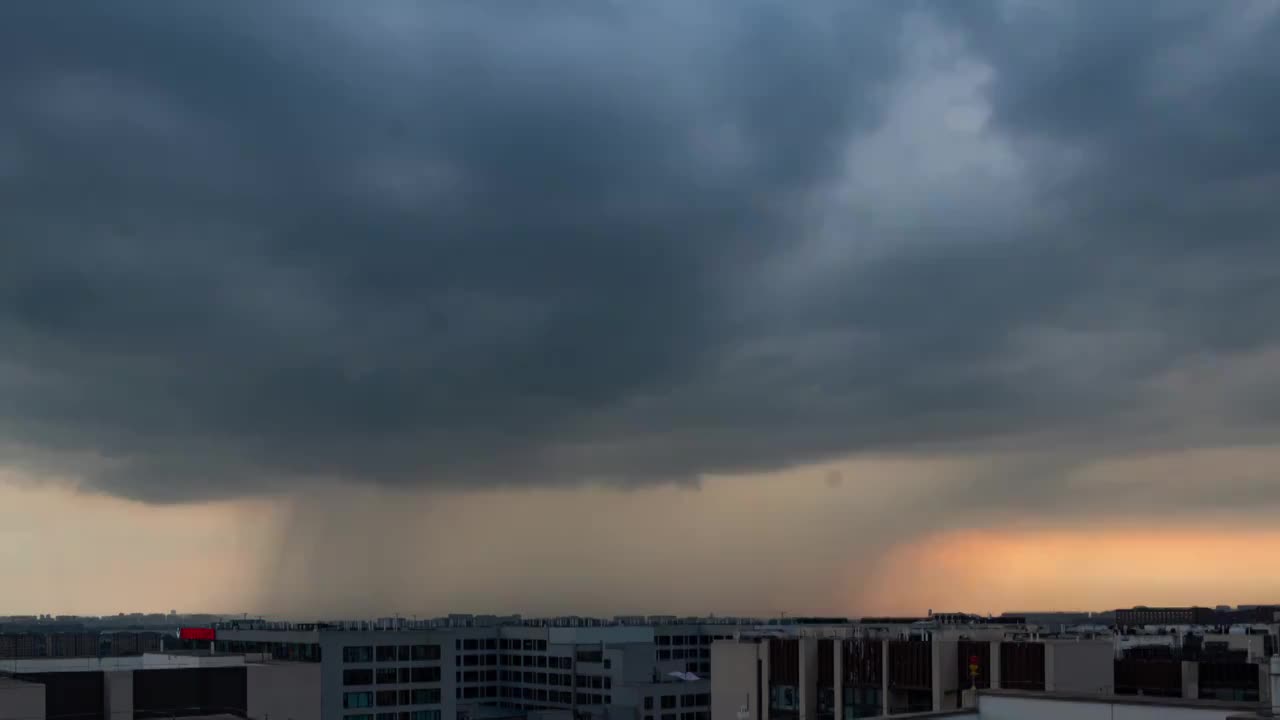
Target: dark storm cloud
[{"x": 460, "y": 244}]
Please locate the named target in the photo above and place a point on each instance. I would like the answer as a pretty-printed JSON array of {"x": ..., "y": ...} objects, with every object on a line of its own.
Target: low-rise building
[
  {"x": 889, "y": 668},
  {"x": 157, "y": 685},
  {"x": 407, "y": 670}
]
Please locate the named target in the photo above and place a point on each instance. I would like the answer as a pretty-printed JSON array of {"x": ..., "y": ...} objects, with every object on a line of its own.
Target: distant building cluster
[{"x": 1211, "y": 663}]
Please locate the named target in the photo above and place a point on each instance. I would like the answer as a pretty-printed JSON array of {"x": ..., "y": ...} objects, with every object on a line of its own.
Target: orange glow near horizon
[{"x": 1086, "y": 569}]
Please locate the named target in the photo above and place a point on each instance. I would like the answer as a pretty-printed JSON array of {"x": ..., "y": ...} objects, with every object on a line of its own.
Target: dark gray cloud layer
[{"x": 461, "y": 243}]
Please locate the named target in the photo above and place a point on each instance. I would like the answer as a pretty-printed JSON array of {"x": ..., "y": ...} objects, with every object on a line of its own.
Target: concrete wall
[
  {"x": 808, "y": 678},
  {"x": 1085, "y": 666},
  {"x": 284, "y": 691},
  {"x": 606, "y": 634},
  {"x": 117, "y": 691},
  {"x": 21, "y": 700},
  {"x": 733, "y": 679},
  {"x": 111, "y": 664},
  {"x": 1020, "y": 708},
  {"x": 1253, "y": 644},
  {"x": 946, "y": 674},
  {"x": 632, "y": 663}
]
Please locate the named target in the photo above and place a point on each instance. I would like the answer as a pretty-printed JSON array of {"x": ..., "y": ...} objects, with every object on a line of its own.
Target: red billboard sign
[{"x": 196, "y": 634}]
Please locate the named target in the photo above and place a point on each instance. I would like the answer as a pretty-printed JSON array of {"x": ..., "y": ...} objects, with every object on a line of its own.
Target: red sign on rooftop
[{"x": 196, "y": 633}]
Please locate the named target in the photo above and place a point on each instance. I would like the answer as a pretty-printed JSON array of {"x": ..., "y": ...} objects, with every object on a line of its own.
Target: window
[
  {"x": 357, "y": 677},
  {"x": 541, "y": 679},
  {"x": 470, "y": 644},
  {"x": 470, "y": 693},
  {"x": 668, "y": 716},
  {"x": 491, "y": 675},
  {"x": 664, "y": 639},
  {"x": 687, "y": 701},
  {"x": 704, "y": 668},
  {"x": 385, "y": 698},
  {"x": 357, "y": 654},
  {"x": 783, "y": 697},
  {"x": 678, "y": 654},
  {"x": 361, "y": 716},
  {"x": 664, "y": 654},
  {"x": 426, "y": 652},
  {"x": 386, "y": 653},
  {"x": 405, "y": 653},
  {"x": 404, "y": 675},
  {"x": 357, "y": 699},
  {"x": 528, "y": 677},
  {"x": 471, "y": 676},
  {"x": 424, "y": 715},
  {"x": 702, "y": 699},
  {"x": 387, "y": 676},
  {"x": 677, "y": 639},
  {"x": 406, "y": 697},
  {"x": 529, "y": 661},
  {"x": 387, "y": 716},
  {"x": 648, "y": 702},
  {"x": 428, "y": 696},
  {"x": 861, "y": 702},
  {"x": 608, "y": 664},
  {"x": 542, "y": 661},
  {"x": 491, "y": 644},
  {"x": 668, "y": 702},
  {"x": 426, "y": 674}
]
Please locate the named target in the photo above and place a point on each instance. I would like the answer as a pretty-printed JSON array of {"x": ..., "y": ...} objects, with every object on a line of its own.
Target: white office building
[{"x": 460, "y": 668}]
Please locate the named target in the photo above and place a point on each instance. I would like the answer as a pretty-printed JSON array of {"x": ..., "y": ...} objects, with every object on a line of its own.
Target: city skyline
[{"x": 824, "y": 308}]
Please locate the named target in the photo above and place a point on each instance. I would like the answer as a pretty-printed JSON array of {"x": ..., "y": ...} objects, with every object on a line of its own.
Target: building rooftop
[{"x": 1019, "y": 705}]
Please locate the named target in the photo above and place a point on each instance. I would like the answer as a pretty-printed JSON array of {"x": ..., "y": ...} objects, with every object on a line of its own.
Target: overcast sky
[{"x": 601, "y": 306}]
